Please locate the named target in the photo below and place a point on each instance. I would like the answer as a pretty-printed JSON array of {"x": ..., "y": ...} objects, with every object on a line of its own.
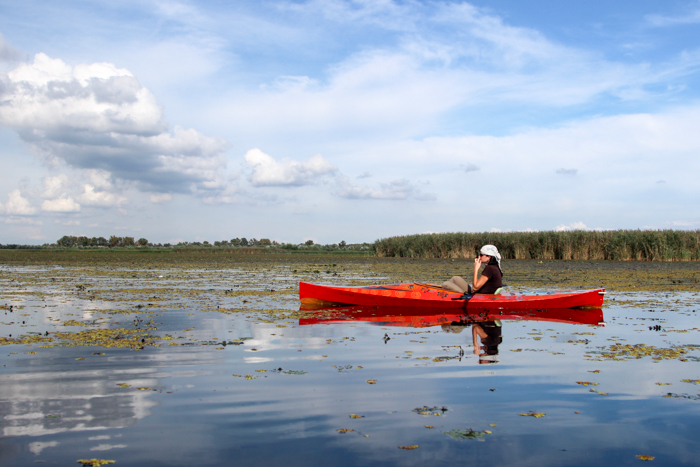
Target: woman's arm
[
  {"x": 478, "y": 282},
  {"x": 477, "y": 331}
]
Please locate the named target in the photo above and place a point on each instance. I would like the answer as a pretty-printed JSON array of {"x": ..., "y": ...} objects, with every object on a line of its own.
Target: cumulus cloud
[
  {"x": 54, "y": 186},
  {"x": 92, "y": 197},
  {"x": 470, "y": 167},
  {"x": 573, "y": 226},
  {"x": 60, "y": 205},
  {"x": 269, "y": 172},
  {"x": 100, "y": 118},
  {"x": 396, "y": 189},
  {"x": 17, "y": 205},
  {"x": 99, "y": 179}
]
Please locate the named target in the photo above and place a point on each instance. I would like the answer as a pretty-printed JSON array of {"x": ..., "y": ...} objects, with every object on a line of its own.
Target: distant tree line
[
  {"x": 81, "y": 242},
  {"x": 622, "y": 245},
  {"x": 272, "y": 244},
  {"x": 69, "y": 241}
]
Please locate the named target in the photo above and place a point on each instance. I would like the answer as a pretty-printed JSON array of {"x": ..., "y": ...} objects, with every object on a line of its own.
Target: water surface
[{"x": 211, "y": 366}]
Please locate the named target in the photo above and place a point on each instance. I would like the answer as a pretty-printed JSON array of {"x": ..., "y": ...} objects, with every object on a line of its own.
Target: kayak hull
[{"x": 429, "y": 295}]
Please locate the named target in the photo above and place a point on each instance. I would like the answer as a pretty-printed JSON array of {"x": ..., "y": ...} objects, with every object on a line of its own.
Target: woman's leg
[
  {"x": 461, "y": 283},
  {"x": 456, "y": 284}
]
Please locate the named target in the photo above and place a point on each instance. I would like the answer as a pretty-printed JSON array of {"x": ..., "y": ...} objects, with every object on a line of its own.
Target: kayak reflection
[
  {"x": 486, "y": 325},
  {"x": 422, "y": 317}
]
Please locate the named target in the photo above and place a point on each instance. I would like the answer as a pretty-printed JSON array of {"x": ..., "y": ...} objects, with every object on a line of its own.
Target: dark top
[
  {"x": 493, "y": 333},
  {"x": 495, "y": 279}
]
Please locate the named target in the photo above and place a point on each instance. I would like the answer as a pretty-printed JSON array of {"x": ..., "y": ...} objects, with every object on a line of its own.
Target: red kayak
[{"x": 433, "y": 296}]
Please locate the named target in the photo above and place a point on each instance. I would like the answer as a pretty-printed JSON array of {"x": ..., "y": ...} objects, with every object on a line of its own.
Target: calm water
[{"x": 285, "y": 383}]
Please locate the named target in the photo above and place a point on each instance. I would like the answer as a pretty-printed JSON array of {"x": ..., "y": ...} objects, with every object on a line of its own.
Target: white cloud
[
  {"x": 107, "y": 447},
  {"x": 159, "y": 198},
  {"x": 467, "y": 62},
  {"x": 90, "y": 197},
  {"x": 17, "y": 205},
  {"x": 50, "y": 96},
  {"x": 60, "y": 205},
  {"x": 36, "y": 447},
  {"x": 268, "y": 172},
  {"x": 691, "y": 17},
  {"x": 99, "y": 178},
  {"x": 100, "y": 118},
  {"x": 686, "y": 224},
  {"x": 396, "y": 189},
  {"x": 573, "y": 226},
  {"x": 569, "y": 172},
  {"x": 22, "y": 221},
  {"x": 54, "y": 186}
]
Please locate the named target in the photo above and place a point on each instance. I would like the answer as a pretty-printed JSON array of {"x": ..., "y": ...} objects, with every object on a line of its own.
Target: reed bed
[{"x": 619, "y": 245}]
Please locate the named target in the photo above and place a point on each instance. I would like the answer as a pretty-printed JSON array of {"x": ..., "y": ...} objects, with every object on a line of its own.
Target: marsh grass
[{"x": 617, "y": 245}]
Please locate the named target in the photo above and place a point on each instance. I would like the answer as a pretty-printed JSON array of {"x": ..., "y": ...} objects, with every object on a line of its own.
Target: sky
[{"x": 333, "y": 120}]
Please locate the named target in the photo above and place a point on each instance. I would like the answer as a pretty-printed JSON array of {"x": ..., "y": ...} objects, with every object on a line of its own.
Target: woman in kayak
[{"x": 489, "y": 281}]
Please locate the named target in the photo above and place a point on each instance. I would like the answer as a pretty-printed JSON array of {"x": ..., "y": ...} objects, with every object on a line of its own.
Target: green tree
[{"x": 142, "y": 241}]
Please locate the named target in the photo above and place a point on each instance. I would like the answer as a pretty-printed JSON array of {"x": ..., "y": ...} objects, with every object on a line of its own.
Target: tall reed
[{"x": 621, "y": 245}]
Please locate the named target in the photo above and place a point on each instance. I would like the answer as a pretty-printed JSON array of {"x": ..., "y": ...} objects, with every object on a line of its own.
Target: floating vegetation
[
  {"x": 682, "y": 396},
  {"x": 412, "y": 446},
  {"x": 644, "y": 457},
  {"x": 435, "y": 410},
  {"x": 636, "y": 351},
  {"x": 288, "y": 372},
  {"x": 95, "y": 462},
  {"x": 466, "y": 434},
  {"x": 533, "y": 414}
]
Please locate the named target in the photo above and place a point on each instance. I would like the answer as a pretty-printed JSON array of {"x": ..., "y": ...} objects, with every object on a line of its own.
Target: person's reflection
[
  {"x": 486, "y": 337},
  {"x": 489, "y": 332}
]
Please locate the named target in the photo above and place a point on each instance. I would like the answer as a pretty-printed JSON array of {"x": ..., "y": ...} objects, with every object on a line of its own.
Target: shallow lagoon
[{"x": 217, "y": 365}]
